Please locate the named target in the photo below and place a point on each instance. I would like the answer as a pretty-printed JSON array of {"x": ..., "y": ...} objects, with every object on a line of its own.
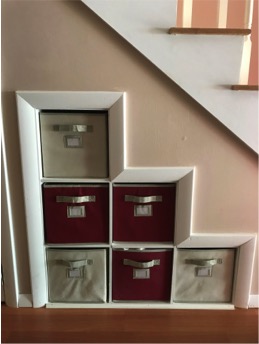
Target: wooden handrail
[{"x": 208, "y": 31}]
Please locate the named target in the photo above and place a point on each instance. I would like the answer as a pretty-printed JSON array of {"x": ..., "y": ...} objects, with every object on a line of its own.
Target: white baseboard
[
  {"x": 25, "y": 300},
  {"x": 253, "y": 301}
]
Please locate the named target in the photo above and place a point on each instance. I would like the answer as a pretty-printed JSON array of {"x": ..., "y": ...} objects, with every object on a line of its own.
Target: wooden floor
[{"x": 28, "y": 325}]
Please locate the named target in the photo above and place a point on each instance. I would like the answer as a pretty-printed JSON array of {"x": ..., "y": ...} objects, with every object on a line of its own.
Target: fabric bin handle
[
  {"x": 75, "y": 128},
  {"x": 204, "y": 262},
  {"x": 146, "y": 199},
  {"x": 75, "y": 264},
  {"x": 141, "y": 265},
  {"x": 75, "y": 199}
]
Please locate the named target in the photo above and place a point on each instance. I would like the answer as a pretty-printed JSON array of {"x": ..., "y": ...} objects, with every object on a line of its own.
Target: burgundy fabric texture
[
  {"x": 94, "y": 227},
  {"x": 156, "y": 228},
  {"x": 155, "y": 288}
]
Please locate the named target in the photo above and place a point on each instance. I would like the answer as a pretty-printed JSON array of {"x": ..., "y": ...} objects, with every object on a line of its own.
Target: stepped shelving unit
[{"x": 29, "y": 105}]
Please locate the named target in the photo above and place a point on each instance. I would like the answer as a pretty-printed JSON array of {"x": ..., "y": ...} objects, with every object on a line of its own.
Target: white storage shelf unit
[{"x": 29, "y": 106}]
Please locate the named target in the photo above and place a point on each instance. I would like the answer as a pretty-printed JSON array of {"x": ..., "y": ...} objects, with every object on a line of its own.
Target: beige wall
[{"x": 61, "y": 45}]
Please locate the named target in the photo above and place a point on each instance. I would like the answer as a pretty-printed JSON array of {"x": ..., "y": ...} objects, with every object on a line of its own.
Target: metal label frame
[
  {"x": 76, "y": 273},
  {"x": 138, "y": 213},
  {"x": 72, "y": 211},
  {"x": 79, "y": 139},
  {"x": 141, "y": 273},
  {"x": 204, "y": 271}
]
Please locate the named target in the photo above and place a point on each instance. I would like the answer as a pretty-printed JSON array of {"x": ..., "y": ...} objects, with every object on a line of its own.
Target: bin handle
[
  {"x": 75, "y": 199},
  {"x": 75, "y": 264},
  {"x": 78, "y": 128},
  {"x": 204, "y": 262},
  {"x": 141, "y": 265},
  {"x": 145, "y": 199}
]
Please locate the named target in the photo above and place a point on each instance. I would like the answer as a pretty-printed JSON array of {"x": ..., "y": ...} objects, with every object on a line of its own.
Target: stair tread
[
  {"x": 245, "y": 87},
  {"x": 208, "y": 31}
]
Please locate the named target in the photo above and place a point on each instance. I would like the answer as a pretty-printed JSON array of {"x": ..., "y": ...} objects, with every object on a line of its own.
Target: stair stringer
[{"x": 203, "y": 66}]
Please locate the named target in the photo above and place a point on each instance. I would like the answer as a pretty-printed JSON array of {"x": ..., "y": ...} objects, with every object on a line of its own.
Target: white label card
[
  {"x": 73, "y": 141},
  {"x": 143, "y": 210},
  {"x": 204, "y": 271},
  {"x": 141, "y": 273},
  {"x": 74, "y": 273},
  {"x": 75, "y": 211}
]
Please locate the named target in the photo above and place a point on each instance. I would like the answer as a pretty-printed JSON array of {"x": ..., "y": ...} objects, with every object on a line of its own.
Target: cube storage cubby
[
  {"x": 76, "y": 213},
  {"x": 77, "y": 275},
  {"x": 74, "y": 144},
  {"x": 204, "y": 275},
  {"x": 143, "y": 212},
  {"x": 142, "y": 275}
]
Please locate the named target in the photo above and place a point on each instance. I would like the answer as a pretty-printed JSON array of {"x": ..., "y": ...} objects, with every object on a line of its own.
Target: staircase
[{"x": 205, "y": 66}]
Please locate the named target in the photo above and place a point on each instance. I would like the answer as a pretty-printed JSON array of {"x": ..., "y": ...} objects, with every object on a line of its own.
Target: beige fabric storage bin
[
  {"x": 76, "y": 275},
  {"x": 204, "y": 275},
  {"x": 74, "y": 145}
]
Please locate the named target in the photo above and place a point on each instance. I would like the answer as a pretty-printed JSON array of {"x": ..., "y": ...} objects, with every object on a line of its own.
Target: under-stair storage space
[
  {"x": 142, "y": 275},
  {"x": 121, "y": 237},
  {"x": 76, "y": 213},
  {"x": 74, "y": 144},
  {"x": 143, "y": 212},
  {"x": 77, "y": 275},
  {"x": 204, "y": 275}
]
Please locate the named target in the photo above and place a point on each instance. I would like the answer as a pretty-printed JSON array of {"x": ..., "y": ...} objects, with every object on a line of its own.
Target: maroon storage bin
[
  {"x": 144, "y": 213},
  {"x": 76, "y": 213},
  {"x": 142, "y": 275}
]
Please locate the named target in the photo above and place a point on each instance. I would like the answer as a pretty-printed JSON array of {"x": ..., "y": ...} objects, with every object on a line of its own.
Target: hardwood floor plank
[{"x": 28, "y": 325}]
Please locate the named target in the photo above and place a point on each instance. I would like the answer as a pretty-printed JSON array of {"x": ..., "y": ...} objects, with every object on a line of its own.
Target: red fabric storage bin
[
  {"x": 142, "y": 275},
  {"x": 143, "y": 213},
  {"x": 76, "y": 213}
]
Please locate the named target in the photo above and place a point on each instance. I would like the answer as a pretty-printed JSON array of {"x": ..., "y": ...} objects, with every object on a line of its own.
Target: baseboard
[
  {"x": 2, "y": 293},
  {"x": 253, "y": 301},
  {"x": 25, "y": 300}
]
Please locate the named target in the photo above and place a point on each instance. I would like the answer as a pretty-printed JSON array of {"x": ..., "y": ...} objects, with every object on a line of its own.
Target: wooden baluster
[
  {"x": 185, "y": 15},
  {"x": 246, "y": 55},
  {"x": 248, "y": 14},
  {"x": 222, "y": 13},
  {"x": 253, "y": 72}
]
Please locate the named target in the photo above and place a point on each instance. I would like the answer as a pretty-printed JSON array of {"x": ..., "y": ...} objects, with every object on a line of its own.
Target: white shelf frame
[
  {"x": 29, "y": 103},
  {"x": 144, "y": 305}
]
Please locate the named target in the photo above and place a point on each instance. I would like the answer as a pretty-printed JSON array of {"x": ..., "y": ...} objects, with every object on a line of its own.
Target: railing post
[
  {"x": 248, "y": 18},
  {"x": 187, "y": 13},
  {"x": 245, "y": 61},
  {"x": 253, "y": 73},
  {"x": 247, "y": 47},
  {"x": 222, "y": 13}
]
